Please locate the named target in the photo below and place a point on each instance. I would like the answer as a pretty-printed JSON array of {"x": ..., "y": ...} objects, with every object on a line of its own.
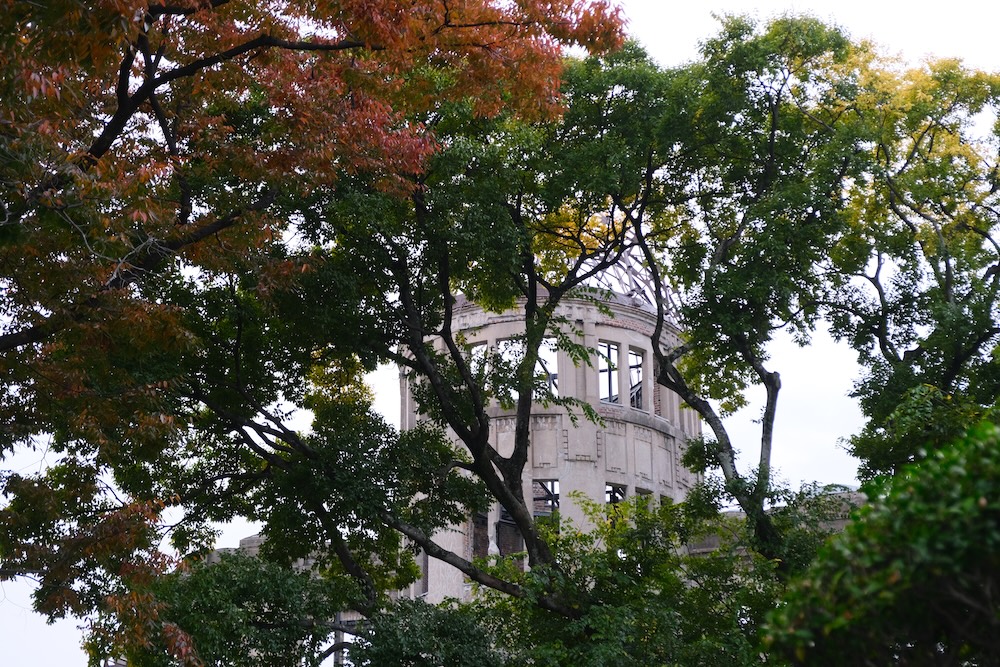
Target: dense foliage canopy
[
  {"x": 216, "y": 216},
  {"x": 914, "y": 579}
]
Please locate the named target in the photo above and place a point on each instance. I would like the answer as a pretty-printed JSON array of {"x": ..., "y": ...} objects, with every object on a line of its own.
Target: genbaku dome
[{"x": 635, "y": 448}]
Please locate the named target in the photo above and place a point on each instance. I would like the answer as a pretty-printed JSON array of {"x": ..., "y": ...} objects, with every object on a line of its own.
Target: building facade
[{"x": 635, "y": 449}]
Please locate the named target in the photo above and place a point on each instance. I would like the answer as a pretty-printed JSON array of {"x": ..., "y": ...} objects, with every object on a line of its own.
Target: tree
[
  {"x": 918, "y": 298},
  {"x": 729, "y": 175},
  {"x": 413, "y": 633},
  {"x": 158, "y": 162},
  {"x": 240, "y": 611},
  {"x": 761, "y": 222},
  {"x": 664, "y": 584},
  {"x": 913, "y": 580},
  {"x": 555, "y": 207},
  {"x": 645, "y": 596},
  {"x": 238, "y": 243}
]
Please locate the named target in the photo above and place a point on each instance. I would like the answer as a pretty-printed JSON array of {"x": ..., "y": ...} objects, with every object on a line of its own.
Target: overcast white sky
[{"x": 814, "y": 411}]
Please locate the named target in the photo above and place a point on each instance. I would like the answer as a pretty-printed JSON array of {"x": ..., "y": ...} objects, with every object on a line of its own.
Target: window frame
[
  {"x": 608, "y": 382},
  {"x": 636, "y": 394}
]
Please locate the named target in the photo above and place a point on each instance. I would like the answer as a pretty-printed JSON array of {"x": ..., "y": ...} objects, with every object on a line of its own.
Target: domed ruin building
[{"x": 635, "y": 451}]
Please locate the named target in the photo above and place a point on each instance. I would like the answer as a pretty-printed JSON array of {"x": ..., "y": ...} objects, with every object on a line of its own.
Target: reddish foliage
[{"x": 144, "y": 143}]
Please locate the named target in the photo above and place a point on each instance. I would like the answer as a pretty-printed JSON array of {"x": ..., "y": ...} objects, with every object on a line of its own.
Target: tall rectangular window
[
  {"x": 510, "y": 354},
  {"x": 546, "y": 496},
  {"x": 635, "y": 360},
  {"x": 422, "y": 585},
  {"x": 607, "y": 371},
  {"x": 512, "y": 351},
  {"x": 476, "y": 355},
  {"x": 509, "y": 540},
  {"x": 480, "y": 536},
  {"x": 547, "y": 367},
  {"x": 614, "y": 493}
]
